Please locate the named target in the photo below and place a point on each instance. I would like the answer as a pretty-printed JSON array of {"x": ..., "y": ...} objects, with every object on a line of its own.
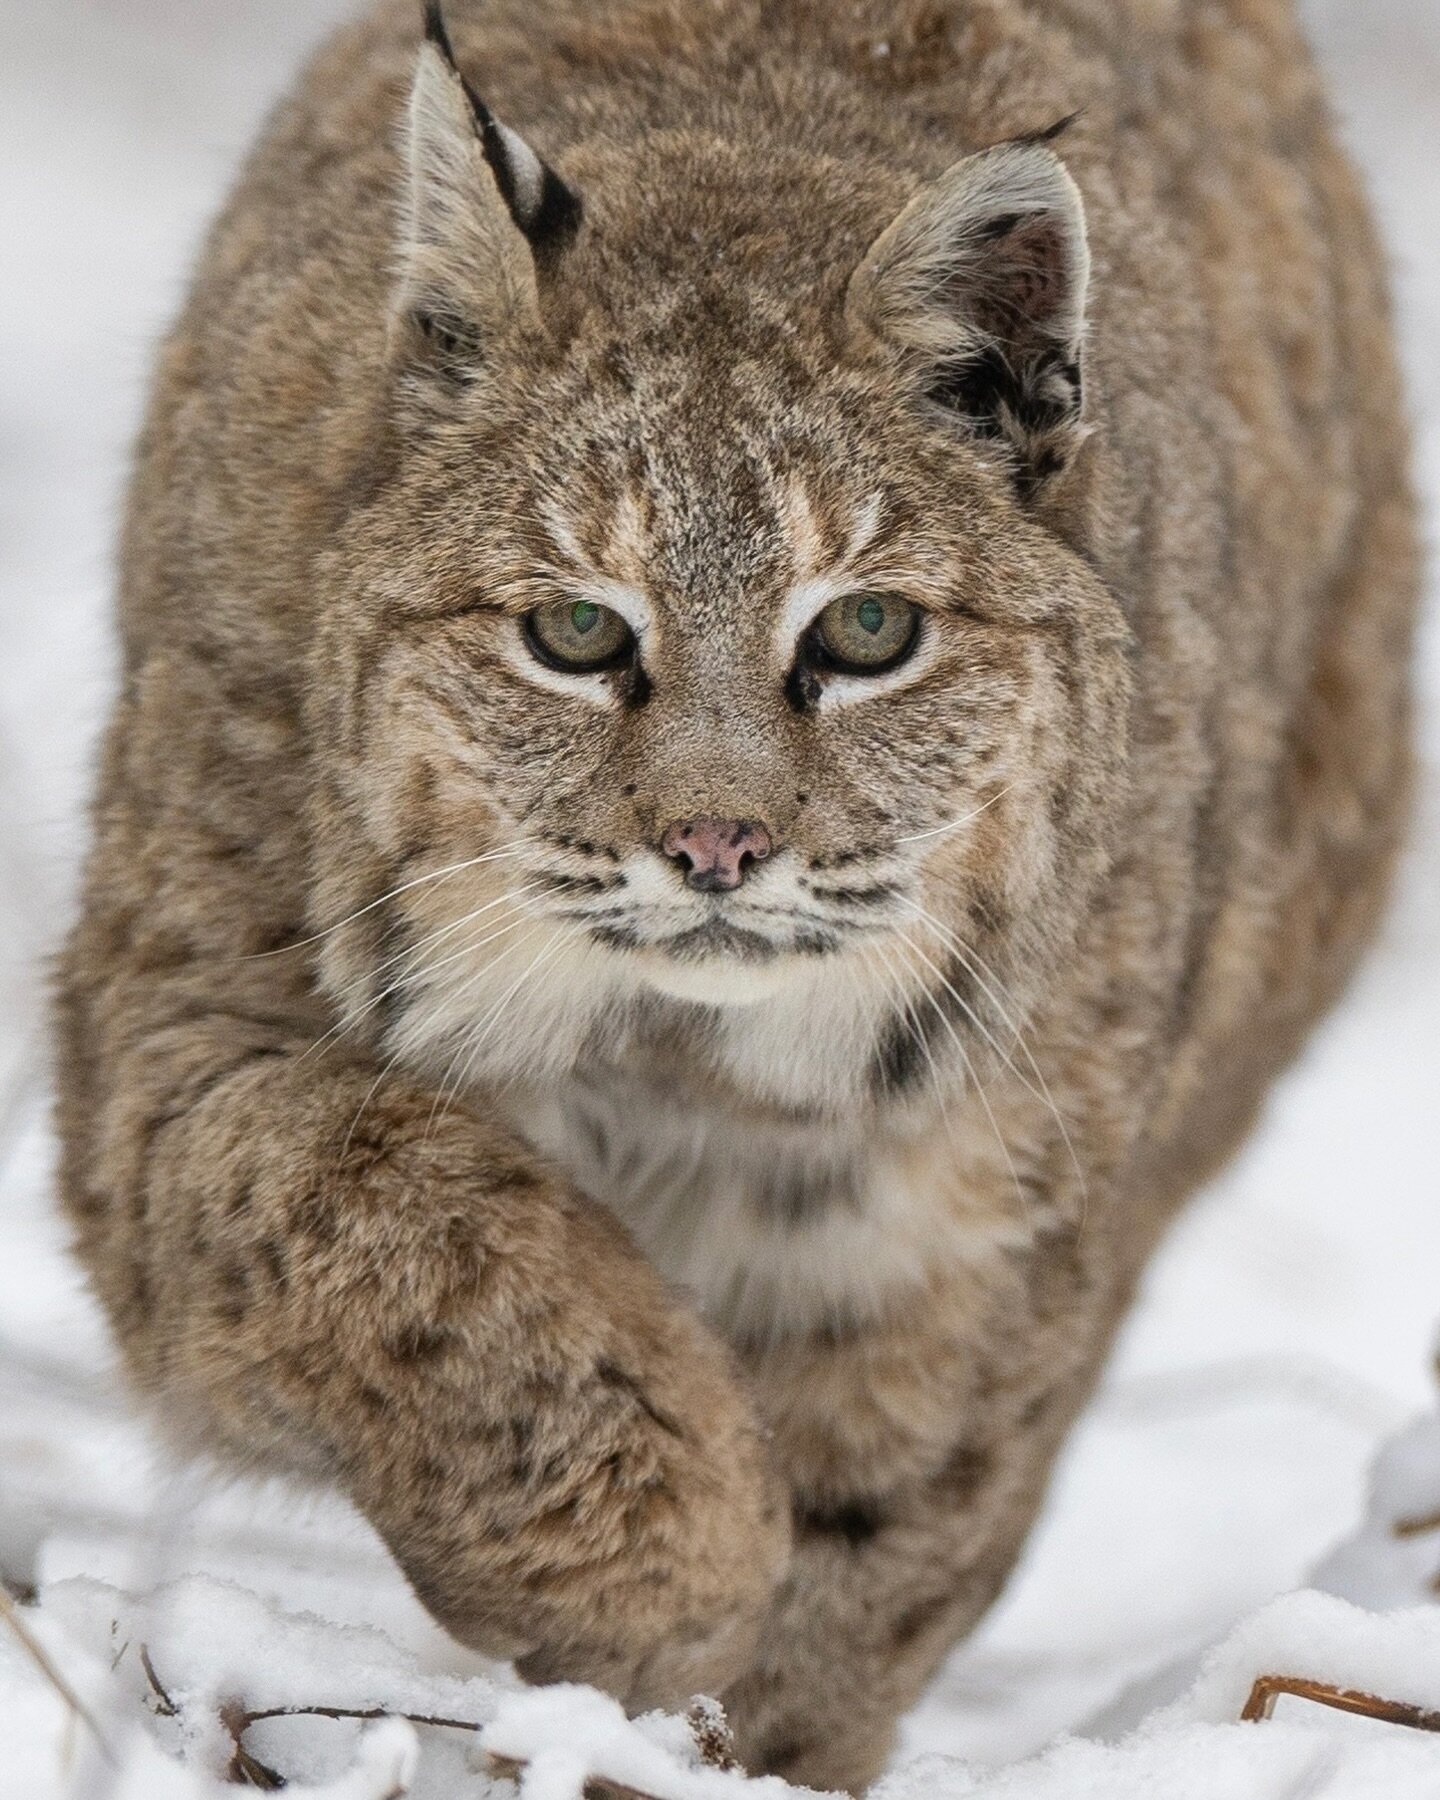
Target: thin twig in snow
[
  {"x": 36, "y": 1652},
  {"x": 237, "y": 1720},
  {"x": 164, "y": 1705},
  {"x": 247, "y": 1770},
  {"x": 1268, "y": 1689},
  {"x": 510, "y": 1768},
  {"x": 1405, "y": 1528}
]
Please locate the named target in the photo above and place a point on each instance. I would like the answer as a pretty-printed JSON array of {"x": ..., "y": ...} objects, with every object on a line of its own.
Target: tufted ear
[
  {"x": 484, "y": 216},
  {"x": 982, "y": 279}
]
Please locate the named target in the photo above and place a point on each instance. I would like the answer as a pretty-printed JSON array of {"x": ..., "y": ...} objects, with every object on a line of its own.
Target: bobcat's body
[{"x": 891, "y": 1129}]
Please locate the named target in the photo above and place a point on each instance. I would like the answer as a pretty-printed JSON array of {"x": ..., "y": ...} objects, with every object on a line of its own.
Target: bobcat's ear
[
  {"x": 982, "y": 280},
  {"x": 484, "y": 216}
]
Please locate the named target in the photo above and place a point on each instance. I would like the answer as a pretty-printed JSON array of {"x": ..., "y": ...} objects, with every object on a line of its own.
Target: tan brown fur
[{"x": 344, "y": 1225}]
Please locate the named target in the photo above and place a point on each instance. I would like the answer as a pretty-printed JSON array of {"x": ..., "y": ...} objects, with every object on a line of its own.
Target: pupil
[
  {"x": 870, "y": 615},
  {"x": 583, "y": 615}
]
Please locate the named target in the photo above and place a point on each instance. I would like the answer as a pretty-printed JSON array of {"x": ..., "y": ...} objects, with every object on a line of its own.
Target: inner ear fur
[
  {"x": 981, "y": 281},
  {"x": 484, "y": 217}
]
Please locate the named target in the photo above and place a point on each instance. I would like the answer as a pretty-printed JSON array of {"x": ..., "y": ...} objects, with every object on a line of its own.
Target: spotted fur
[{"x": 693, "y": 1288}]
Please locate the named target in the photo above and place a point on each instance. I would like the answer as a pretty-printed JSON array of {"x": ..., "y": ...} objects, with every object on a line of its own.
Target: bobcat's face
[{"x": 723, "y": 668}]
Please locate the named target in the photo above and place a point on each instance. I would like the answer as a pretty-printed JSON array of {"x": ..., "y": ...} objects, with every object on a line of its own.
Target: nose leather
[{"x": 716, "y": 854}]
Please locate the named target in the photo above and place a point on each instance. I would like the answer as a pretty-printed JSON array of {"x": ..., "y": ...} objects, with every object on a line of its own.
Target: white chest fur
[{"x": 773, "y": 1229}]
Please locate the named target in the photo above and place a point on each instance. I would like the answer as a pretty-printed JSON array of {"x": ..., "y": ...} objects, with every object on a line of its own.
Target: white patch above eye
[
  {"x": 814, "y": 592},
  {"x": 800, "y": 524},
  {"x": 804, "y": 605},
  {"x": 867, "y": 523},
  {"x": 562, "y": 535},
  {"x": 583, "y": 581},
  {"x": 803, "y": 527}
]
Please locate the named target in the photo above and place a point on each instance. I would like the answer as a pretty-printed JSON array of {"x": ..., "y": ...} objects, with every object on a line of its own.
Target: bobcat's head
[{"x": 716, "y": 672}]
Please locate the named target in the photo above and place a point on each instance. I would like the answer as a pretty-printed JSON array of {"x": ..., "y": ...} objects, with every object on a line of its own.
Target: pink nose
[{"x": 716, "y": 854}]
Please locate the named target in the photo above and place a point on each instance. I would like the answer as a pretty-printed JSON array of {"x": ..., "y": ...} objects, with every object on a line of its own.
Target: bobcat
[{"x": 751, "y": 722}]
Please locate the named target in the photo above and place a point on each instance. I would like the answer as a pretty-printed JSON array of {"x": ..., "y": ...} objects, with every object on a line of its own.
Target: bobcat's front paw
[
  {"x": 670, "y": 1532},
  {"x": 604, "y": 1509}
]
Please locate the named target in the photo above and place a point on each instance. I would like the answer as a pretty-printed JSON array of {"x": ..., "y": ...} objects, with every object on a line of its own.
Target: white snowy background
[{"x": 1284, "y": 1334}]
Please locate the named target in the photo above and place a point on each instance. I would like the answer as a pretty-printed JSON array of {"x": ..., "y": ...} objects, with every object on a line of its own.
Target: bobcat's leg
[
  {"x": 308, "y": 1266},
  {"x": 918, "y": 1453}
]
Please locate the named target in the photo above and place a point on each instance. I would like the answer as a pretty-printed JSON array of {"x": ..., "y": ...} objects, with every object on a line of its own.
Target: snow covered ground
[{"x": 1283, "y": 1335}]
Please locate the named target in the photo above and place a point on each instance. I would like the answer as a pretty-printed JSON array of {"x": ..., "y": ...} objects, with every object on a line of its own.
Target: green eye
[
  {"x": 578, "y": 635},
  {"x": 865, "y": 634}
]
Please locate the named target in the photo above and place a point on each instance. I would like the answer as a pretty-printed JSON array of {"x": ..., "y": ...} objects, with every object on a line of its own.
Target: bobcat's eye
[
  {"x": 578, "y": 635},
  {"x": 865, "y": 634}
]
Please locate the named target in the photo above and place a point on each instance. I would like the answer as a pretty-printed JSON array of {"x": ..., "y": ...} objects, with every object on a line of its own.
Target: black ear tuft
[
  {"x": 1047, "y": 134},
  {"x": 437, "y": 34},
  {"x": 543, "y": 207}
]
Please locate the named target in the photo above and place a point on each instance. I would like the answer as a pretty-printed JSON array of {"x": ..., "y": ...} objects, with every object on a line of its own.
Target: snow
[
  {"x": 1228, "y": 1762},
  {"x": 1282, "y": 1343},
  {"x": 72, "y": 1728},
  {"x": 1394, "y": 1558},
  {"x": 565, "y": 1734},
  {"x": 104, "y": 1681},
  {"x": 1317, "y": 1637}
]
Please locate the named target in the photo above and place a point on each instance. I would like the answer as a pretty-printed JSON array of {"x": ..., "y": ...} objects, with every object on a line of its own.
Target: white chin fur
[{"x": 720, "y": 981}]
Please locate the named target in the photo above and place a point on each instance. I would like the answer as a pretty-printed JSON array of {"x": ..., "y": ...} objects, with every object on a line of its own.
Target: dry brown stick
[
  {"x": 165, "y": 1706},
  {"x": 36, "y": 1652},
  {"x": 1404, "y": 1528},
  {"x": 708, "y": 1726},
  {"x": 353, "y": 1712},
  {"x": 1268, "y": 1689},
  {"x": 247, "y": 1770},
  {"x": 509, "y": 1768}
]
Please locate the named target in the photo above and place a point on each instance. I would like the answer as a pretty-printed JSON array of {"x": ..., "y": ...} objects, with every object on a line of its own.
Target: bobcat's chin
[{"x": 721, "y": 979}]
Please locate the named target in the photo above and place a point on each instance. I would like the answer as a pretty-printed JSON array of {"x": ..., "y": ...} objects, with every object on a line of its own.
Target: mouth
[
  {"x": 719, "y": 939},
  {"x": 719, "y": 962}
]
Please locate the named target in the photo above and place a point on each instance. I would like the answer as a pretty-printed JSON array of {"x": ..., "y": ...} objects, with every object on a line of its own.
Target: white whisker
[
  {"x": 944, "y": 1018},
  {"x": 973, "y": 1016},
  {"x": 916, "y": 837},
  {"x": 1040, "y": 1088},
  {"x": 556, "y": 941},
  {"x": 912, "y": 1025},
  {"x": 413, "y": 954},
  {"x": 353, "y": 1018},
  {"x": 404, "y": 888}
]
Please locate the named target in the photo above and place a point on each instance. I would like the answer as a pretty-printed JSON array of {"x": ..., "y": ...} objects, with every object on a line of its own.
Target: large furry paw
[
  {"x": 676, "y": 1534},
  {"x": 580, "y": 1482}
]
